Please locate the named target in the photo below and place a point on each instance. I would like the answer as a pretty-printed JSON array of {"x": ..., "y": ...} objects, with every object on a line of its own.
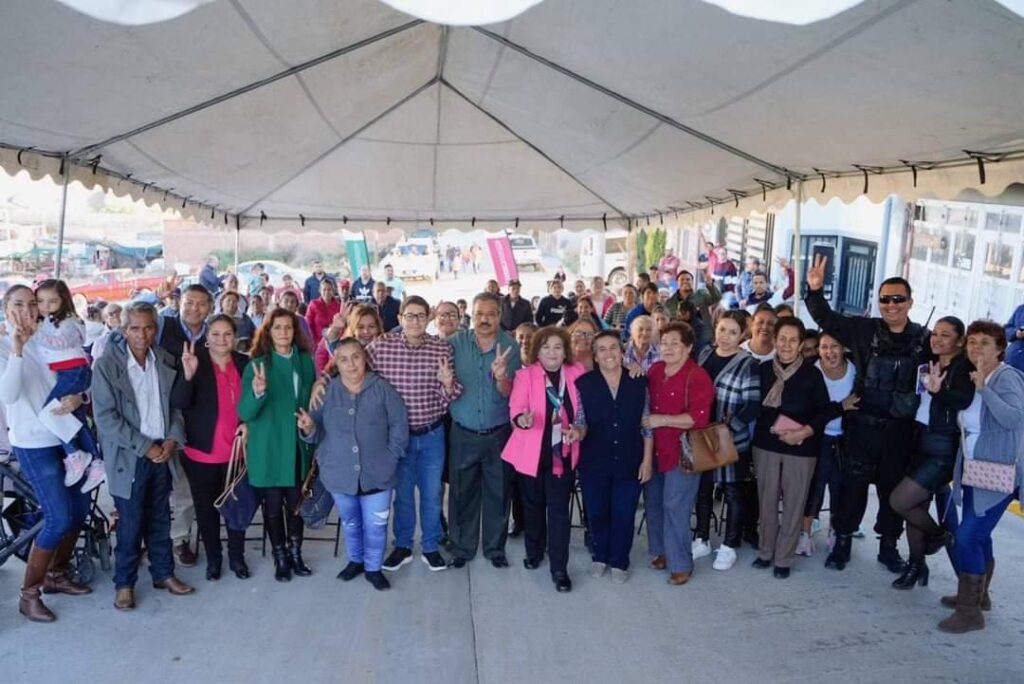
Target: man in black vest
[{"x": 887, "y": 352}]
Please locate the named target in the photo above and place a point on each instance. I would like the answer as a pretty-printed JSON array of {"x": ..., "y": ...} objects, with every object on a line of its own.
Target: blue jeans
[
  {"x": 611, "y": 514},
  {"x": 421, "y": 468},
  {"x": 669, "y": 499},
  {"x": 76, "y": 381},
  {"x": 146, "y": 514},
  {"x": 64, "y": 508},
  {"x": 365, "y": 519},
  {"x": 974, "y": 535}
]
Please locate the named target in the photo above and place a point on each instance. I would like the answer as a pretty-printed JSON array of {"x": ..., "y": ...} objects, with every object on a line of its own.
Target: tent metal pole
[
  {"x": 66, "y": 167},
  {"x": 238, "y": 234},
  {"x": 797, "y": 276}
]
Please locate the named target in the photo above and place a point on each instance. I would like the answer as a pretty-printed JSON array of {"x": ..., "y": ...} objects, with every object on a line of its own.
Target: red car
[{"x": 120, "y": 284}]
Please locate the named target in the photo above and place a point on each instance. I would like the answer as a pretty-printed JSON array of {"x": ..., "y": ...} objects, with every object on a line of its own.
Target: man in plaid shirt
[{"x": 420, "y": 368}]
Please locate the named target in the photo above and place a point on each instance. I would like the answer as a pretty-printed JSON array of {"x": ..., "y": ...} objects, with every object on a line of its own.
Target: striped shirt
[
  {"x": 412, "y": 371},
  {"x": 649, "y": 358}
]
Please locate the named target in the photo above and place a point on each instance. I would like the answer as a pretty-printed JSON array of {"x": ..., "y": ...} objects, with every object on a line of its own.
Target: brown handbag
[{"x": 709, "y": 447}]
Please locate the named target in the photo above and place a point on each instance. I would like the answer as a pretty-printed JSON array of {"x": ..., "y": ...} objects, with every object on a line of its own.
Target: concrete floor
[{"x": 480, "y": 624}]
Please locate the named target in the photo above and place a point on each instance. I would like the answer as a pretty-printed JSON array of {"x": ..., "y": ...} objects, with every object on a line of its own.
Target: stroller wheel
[{"x": 83, "y": 569}]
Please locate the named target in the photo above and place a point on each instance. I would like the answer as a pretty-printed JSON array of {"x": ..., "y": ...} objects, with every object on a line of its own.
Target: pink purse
[{"x": 995, "y": 477}]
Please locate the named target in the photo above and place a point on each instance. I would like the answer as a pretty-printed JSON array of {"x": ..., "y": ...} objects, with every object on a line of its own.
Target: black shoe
[
  {"x": 840, "y": 554},
  {"x": 562, "y": 583},
  {"x": 213, "y": 568},
  {"x": 457, "y": 562},
  {"x": 282, "y": 564},
  {"x": 916, "y": 572},
  {"x": 499, "y": 561},
  {"x": 945, "y": 540},
  {"x": 434, "y": 560},
  {"x": 399, "y": 557},
  {"x": 299, "y": 566},
  {"x": 889, "y": 556},
  {"x": 351, "y": 571},
  {"x": 761, "y": 564},
  {"x": 781, "y": 573},
  {"x": 378, "y": 580},
  {"x": 531, "y": 563},
  {"x": 239, "y": 567}
]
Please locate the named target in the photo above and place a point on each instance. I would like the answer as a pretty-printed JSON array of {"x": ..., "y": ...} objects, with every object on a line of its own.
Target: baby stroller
[{"x": 21, "y": 519}]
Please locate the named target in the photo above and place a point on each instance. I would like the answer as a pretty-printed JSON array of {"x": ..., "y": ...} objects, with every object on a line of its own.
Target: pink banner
[{"x": 504, "y": 261}]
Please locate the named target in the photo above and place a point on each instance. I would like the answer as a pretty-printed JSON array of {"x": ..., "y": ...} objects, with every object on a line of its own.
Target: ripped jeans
[{"x": 365, "y": 519}]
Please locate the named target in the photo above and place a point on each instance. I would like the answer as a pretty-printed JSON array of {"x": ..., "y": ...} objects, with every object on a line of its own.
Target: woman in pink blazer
[{"x": 544, "y": 447}]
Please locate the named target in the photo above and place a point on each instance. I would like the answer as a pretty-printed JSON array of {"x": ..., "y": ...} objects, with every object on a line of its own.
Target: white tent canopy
[{"x": 575, "y": 110}]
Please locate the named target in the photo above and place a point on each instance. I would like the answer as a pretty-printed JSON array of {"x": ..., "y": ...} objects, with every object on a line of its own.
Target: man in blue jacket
[{"x": 1015, "y": 338}]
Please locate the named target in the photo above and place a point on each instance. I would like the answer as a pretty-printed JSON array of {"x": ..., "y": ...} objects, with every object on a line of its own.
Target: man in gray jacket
[{"x": 139, "y": 433}]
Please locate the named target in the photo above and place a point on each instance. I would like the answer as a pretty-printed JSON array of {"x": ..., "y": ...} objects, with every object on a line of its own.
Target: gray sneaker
[
  {"x": 619, "y": 576},
  {"x": 597, "y": 569}
]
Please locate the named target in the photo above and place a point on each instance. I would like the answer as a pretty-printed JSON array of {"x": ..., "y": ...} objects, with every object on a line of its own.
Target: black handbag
[{"x": 315, "y": 502}]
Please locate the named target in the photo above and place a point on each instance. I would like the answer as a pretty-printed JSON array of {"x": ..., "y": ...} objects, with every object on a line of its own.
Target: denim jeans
[
  {"x": 76, "y": 381},
  {"x": 669, "y": 499},
  {"x": 64, "y": 508},
  {"x": 365, "y": 519},
  {"x": 974, "y": 535},
  {"x": 146, "y": 514},
  {"x": 421, "y": 468}
]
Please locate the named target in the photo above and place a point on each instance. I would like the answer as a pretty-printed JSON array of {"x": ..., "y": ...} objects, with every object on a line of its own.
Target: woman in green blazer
[{"x": 275, "y": 385}]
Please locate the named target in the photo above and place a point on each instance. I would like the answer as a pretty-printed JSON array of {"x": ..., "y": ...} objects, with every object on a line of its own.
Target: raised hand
[
  {"x": 259, "y": 379},
  {"x": 445, "y": 374},
  {"x": 979, "y": 379},
  {"x": 933, "y": 381},
  {"x": 189, "y": 360},
  {"x": 304, "y": 421},
  {"x": 499, "y": 367},
  {"x": 816, "y": 273},
  {"x": 24, "y": 328}
]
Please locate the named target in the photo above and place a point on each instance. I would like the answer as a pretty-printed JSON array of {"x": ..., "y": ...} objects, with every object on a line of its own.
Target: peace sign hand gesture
[
  {"x": 259, "y": 379},
  {"x": 304, "y": 421},
  {"x": 816, "y": 273},
  {"x": 445, "y": 375},
  {"x": 499, "y": 367},
  {"x": 933, "y": 381},
  {"x": 189, "y": 360}
]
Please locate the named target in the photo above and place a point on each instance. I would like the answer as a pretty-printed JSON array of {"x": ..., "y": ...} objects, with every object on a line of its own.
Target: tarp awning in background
[{"x": 575, "y": 110}]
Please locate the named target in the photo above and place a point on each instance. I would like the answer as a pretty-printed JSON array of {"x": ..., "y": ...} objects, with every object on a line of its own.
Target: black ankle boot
[
  {"x": 916, "y": 572},
  {"x": 282, "y": 564},
  {"x": 213, "y": 567},
  {"x": 889, "y": 555},
  {"x": 840, "y": 554},
  {"x": 295, "y": 553},
  {"x": 236, "y": 554}
]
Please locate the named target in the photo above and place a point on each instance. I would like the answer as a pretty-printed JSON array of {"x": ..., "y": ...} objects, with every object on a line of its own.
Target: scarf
[{"x": 774, "y": 396}]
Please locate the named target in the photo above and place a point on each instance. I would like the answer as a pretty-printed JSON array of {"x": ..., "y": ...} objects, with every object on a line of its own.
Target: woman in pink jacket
[{"x": 544, "y": 448}]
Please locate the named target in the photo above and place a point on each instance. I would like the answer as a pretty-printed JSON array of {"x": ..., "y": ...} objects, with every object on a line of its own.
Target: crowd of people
[{"x": 511, "y": 404}]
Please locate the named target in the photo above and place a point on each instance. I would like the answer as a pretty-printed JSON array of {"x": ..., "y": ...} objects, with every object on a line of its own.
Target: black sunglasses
[{"x": 893, "y": 299}]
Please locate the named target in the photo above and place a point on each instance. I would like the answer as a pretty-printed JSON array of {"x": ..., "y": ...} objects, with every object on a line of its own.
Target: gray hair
[{"x": 136, "y": 308}]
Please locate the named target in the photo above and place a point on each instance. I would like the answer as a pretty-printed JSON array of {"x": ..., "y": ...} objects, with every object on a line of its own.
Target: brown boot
[
  {"x": 986, "y": 601},
  {"x": 31, "y": 605},
  {"x": 968, "y": 616},
  {"x": 58, "y": 579}
]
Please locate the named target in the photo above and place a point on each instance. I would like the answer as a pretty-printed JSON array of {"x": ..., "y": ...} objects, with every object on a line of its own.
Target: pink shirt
[{"x": 229, "y": 389}]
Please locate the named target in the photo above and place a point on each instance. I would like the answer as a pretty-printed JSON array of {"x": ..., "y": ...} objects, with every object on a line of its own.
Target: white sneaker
[
  {"x": 700, "y": 549},
  {"x": 805, "y": 545},
  {"x": 74, "y": 467},
  {"x": 619, "y": 576},
  {"x": 725, "y": 558},
  {"x": 96, "y": 476},
  {"x": 597, "y": 569}
]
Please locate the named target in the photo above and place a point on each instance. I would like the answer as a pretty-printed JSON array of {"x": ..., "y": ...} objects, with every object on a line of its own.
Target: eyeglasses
[
  {"x": 580, "y": 335},
  {"x": 893, "y": 299},
  {"x": 414, "y": 318},
  {"x": 448, "y": 316}
]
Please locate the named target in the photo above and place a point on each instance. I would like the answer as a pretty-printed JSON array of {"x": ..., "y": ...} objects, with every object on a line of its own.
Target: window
[
  {"x": 963, "y": 256},
  {"x": 998, "y": 260},
  {"x": 931, "y": 245}
]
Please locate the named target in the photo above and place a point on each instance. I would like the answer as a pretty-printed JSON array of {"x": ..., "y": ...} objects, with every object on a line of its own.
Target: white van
[
  {"x": 606, "y": 254},
  {"x": 526, "y": 251}
]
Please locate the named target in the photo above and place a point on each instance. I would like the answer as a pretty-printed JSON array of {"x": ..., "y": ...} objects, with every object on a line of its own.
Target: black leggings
[
  {"x": 933, "y": 456},
  {"x": 279, "y": 505},
  {"x": 705, "y": 504},
  {"x": 207, "y": 482}
]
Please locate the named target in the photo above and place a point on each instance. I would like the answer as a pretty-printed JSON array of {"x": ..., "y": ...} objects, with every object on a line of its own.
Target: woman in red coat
[
  {"x": 681, "y": 394},
  {"x": 321, "y": 311},
  {"x": 544, "y": 448}
]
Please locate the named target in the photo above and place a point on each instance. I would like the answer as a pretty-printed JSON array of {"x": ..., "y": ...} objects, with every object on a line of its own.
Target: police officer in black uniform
[{"x": 887, "y": 352}]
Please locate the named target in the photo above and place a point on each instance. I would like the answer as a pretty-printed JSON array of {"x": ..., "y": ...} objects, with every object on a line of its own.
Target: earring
[{"x": 206, "y": 344}]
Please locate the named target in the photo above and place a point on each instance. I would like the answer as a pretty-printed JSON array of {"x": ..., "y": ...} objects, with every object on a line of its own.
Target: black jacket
[
  {"x": 388, "y": 312},
  {"x": 197, "y": 400},
  {"x": 173, "y": 339},
  {"x": 550, "y": 311},
  {"x": 956, "y": 394},
  {"x": 514, "y": 315}
]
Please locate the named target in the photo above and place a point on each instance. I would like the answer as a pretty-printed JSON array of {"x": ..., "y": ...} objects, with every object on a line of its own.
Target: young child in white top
[{"x": 61, "y": 338}]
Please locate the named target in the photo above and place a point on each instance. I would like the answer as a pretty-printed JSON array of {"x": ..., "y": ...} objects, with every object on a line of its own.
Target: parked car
[
  {"x": 414, "y": 258},
  {"x": 118, "y": 285},
  {"x": 276, "y": 270},
  {"x": 525, "y": 251}
]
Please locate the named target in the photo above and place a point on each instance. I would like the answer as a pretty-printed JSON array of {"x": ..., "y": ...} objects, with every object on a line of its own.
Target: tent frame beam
[
  {"x": 533, "y": 147},
  {"x": 287, "y": 73},
  {"x": 663, "y": 118}
]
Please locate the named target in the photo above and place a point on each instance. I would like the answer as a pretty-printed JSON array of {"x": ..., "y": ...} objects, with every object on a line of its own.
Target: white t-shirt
[
  {"x": 760, "y": 357},
  {"x": 970, "y": 422},
  {"x": 837, "y": 391}
]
